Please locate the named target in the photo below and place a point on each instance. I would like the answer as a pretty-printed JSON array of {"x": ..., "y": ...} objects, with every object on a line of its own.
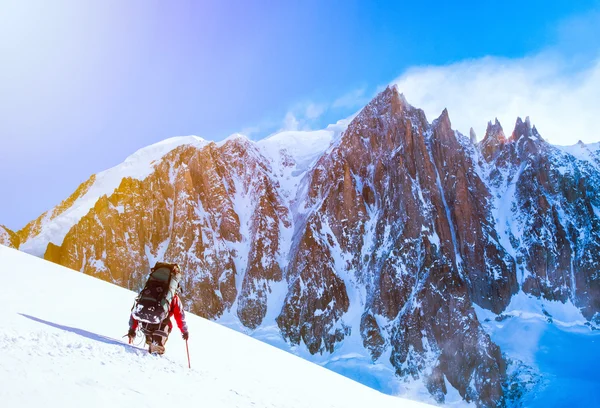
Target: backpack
[{"x": 153, "y": 303}]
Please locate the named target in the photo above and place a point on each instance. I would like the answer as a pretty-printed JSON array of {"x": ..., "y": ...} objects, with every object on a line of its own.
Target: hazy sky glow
[{"x": 83, "y": 84}]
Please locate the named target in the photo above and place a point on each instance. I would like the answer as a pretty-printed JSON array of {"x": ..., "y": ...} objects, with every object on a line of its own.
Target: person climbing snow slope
[{"x": 155, "y": 305}]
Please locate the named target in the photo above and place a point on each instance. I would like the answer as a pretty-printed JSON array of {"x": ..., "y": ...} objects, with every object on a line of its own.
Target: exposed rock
[
  {"x": 187, "y": 211},
  {"x": 381, "y": 206},
  {"x": 489, "y": 269},
  {"x": 393, "y": 233},
  {"x": 493, "y": 140},
  {"x": 551, "y": 226},
  {"x": 8, "y": 237}
]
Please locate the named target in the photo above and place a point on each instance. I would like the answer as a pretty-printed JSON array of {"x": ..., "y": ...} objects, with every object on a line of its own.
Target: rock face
[
  {"x": 547, "y": 212},
  {"x": 392, "y": 233},
  {"x": 8, "y": 237},
  {"x": 393, "y": 211},
  {"x": 196, "y": 208}
]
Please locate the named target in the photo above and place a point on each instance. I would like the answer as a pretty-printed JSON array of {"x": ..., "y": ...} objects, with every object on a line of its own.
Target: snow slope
[
  {"x": 60, "y": 345},
  {"x": 582, "y": 151},
  {"x": 304, "y": 146}
]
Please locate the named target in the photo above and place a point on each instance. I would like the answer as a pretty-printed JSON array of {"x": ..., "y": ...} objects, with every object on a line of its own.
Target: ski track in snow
[{"x": 60, "y": 345}]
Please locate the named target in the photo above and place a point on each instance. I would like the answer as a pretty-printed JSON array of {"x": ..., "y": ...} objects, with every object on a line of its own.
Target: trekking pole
[{"x": 188, "y": 354}]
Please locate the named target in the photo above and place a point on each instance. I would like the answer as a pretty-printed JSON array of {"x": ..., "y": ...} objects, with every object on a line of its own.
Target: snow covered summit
[
  {"x": 60, "y": 345},
  {"x": 364, "y": 247}
]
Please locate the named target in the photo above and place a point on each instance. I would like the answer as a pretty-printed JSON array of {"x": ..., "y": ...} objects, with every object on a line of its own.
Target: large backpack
[{"x": 153, "y": 303}]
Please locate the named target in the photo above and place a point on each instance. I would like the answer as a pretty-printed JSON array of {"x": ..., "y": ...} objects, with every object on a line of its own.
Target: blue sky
[{"x": 83, "y": 84}]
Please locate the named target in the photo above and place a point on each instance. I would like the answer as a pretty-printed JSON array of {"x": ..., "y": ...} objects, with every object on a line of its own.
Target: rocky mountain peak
[
  {"x": 494, "y": 129},
  {"x": 384, "y": 239},
  {"x": 472, "y": 136},
  {"x": 396, "y": 92},
  {"x": 493, "y": 140},
  {"x": 527, "y": 139},
  {"x": 389, "y": 102},
  {"x": 443, "y": 121},
  {"x": 390, "y": 98},
  {"x": 522, "y": 128},
  {"x": 442, "y": 129}
]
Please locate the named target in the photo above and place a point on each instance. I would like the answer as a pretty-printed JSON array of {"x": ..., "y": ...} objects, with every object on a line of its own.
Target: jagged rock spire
[
  {"x": 472, "y": 136},
  {"x": 493, "y": 140},
  {"x": 522, "y": 128},
  {"x": 443, "y": 127}
]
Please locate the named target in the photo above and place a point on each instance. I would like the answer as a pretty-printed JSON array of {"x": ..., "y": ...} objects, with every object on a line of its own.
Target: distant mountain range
[{"x": 381, "y": 232}]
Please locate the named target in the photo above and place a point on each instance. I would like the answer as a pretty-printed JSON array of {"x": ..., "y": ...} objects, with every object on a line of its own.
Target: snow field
[{"x": 61, "y": 345}]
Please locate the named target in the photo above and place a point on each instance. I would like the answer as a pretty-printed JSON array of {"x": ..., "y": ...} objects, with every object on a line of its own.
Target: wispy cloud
[
  {"x": 353, "y": 99},
  {"x": 314, "y": 111},
  {"x": 251, "y": 130},
  {"x": 309, "y": 115},
  {"x": 561, "y": 98},
  {"x": 290, "y": 122},
  {"x": 302, "y": 116},
  {"x": 561, "y": 101},
  {"x": 558, "y": 87}
]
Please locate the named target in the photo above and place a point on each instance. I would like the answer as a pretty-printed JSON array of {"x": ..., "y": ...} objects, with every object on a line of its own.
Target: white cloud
[
  {"x": 561, "y": 98},
  {"x": 251, "y": 130},
  {"x": 298, "y": 118},
  {"x": 558, "y": 88},
  {"x": 352, "y": 99},
  {"x": 293, "y": 120},
  {"x": 314, "y": 111},
  {"x": 563, "y": 103},
  {"x": 303, "y": 116},
  {"x": 290, "y": 122},
  {"x": 308, "y": 115}
]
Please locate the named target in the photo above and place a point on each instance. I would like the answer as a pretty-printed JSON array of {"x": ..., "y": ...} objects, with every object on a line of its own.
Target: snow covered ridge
[
  {"x": 304, "y": 147},
  {"x": 72, "y": 354},
  {"x": 585, "y": 152},
  {"x": 139, "y": 165},
  {"x": 365, "y": 247}
]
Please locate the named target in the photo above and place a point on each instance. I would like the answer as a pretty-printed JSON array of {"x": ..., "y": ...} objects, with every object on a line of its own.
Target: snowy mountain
[
  {"x": 372, "y": 247},
  {"x": 61, "y": 345},
  {"x": 53, "y": 225},
  {"x": 8, "y": 237}
]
